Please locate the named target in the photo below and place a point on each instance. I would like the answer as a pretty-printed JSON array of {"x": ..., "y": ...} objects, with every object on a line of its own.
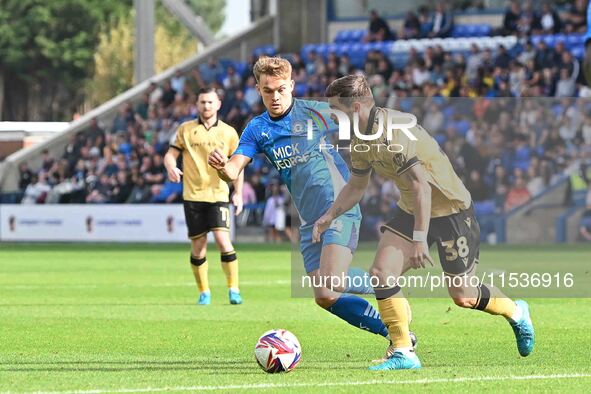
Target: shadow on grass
[{"x": 204, "y": 366}]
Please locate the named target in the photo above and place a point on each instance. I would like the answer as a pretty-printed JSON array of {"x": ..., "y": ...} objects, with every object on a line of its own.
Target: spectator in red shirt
[{"x": 518, "y": 193}]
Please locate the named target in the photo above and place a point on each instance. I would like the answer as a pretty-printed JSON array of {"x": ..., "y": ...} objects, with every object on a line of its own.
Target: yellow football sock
[
  {"x": 394, "y": 309},
  {"x": 492, "y": 300},
  {"x": 200, "y": 268},
  {"x": 230, "y": 267}
]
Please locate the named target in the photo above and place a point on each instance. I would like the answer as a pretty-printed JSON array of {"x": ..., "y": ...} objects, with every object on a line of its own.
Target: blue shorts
[{"x": 343, "y": 231}]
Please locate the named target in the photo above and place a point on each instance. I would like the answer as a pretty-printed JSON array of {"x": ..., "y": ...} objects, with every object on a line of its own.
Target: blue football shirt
[{"x": 314, "y": 176}]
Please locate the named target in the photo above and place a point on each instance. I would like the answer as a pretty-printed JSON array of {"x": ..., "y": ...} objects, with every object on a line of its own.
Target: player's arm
[
  {"x": 237, "y": 195},
  {"x": 415, "y": 175},
  {"x": 350, "y": 195},
  {"x": 170, "y": 160},
  {"x": 228, "y": 170}
]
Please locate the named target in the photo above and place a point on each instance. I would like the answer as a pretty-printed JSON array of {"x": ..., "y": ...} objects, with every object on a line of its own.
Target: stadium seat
[
  {"x": 268, "y": 50},
  {"x": 401, "y": 46},
  {"x": 332, "y": 48},
  {"x": 578, "y": 52},
  {"x": 535, "y": 40},
  {"x": 472, "y": 30},
  {"x": 301, "y": 89},
  {"x": 342, "y": 36},
  {"x": 459, "y": 31},
  {"x": 344, "y": 49},
  {"x": 483, "y": 208},
  {"x": 357, "y": 35}
]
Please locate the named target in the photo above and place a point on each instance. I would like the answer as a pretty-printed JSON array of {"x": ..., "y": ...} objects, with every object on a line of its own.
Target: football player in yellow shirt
[
  {"x": 205, "y": 195},
  {"x": 434, "y": 207}
]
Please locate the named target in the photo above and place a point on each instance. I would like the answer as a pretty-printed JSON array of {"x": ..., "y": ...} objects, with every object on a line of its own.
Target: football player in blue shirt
[{"x": 314, "y": 179}]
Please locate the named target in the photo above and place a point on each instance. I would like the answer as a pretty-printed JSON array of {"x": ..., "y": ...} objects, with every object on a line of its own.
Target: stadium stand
[{"x": 506, "y": 151}]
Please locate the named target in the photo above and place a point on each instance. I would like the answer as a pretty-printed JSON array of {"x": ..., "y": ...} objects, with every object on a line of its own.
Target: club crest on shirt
[{"x": 399, "y": 159}]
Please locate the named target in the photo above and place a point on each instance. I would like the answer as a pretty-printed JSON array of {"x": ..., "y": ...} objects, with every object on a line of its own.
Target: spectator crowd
[{"x": 510, "y": 120}]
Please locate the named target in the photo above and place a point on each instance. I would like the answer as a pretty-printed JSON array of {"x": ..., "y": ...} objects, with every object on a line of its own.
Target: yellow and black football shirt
[
  {"x": 201, "y": 181},
  {"x": 448, "y": 196}
]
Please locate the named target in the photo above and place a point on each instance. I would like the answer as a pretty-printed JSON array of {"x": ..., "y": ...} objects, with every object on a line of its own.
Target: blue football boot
[
  {"x": 524, "y": 330},
  {"x": 235, "y": 298},
  {"x": 204, "y": 298},
  {"x": 398, "y": 360}
]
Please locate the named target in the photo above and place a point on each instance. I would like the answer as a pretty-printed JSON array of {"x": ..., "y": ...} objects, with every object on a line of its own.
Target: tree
[
  {"x": 113, "y": 72},
  {"x": 173, "y": 44},
  {"x": 46, "y": 53}
]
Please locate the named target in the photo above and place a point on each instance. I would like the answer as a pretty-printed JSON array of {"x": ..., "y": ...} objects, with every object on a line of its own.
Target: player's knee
[
  {"x": 324, "y": 302},
  {"x": 333, "y": 281},
  {"x": 198, "y": 245},
  {"x": 379, "y": 273},
  {"x": 465, "y": 302},
  {"x": 222, "y": 239}
]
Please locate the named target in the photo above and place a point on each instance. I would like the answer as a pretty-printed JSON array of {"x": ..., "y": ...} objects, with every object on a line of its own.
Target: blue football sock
[
  {"x": 359, "y": 313},
  {"x": 358, "y": 282}
]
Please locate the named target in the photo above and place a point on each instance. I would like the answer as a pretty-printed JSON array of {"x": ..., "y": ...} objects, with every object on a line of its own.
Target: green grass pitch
[{"x": 122, "y": 318}]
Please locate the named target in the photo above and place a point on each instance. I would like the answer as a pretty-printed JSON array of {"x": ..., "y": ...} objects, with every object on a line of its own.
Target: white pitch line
[
  {"x": 320, "y": 384},
  {"x": 127, "y": 285}
]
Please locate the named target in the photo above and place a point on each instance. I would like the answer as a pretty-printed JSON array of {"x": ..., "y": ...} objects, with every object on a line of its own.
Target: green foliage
[
  {"x": 113, "y": 60},
  {"x": 51, "y": 46},
  {"x": 212, "y": 12},
  {"x": 41, "y": 39}
]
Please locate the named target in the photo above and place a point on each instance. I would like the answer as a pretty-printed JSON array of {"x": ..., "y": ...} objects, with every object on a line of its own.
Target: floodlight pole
[{"x": 144, "y": 39}]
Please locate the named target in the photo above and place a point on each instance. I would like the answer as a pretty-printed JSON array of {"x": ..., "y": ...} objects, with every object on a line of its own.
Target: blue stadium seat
[
  {"x": 322, "y": 50},
  {"x": 301, "y": 89},
  {"x": 343, "y": 49},
  {"x": 384, "y": 46},
  {"x": 459, "y": 31},
  {"x": 306, "y": 49},
  {"x": 560, "y": 38},
  {"x": 357, "y": 35},
  {"x": 440, "y": 138},
  {"x": 578, "y": 52},
  {"x": 472, "y": 30},
  {"x": 342, "y": 36},
  {"x": 549, "y": 40},
  {"x": 484, "y": 208},
  {"x": 535, "y": 40},
  {"x": 241, "y": 68},
  {"x": 264, "y": 50},
  {"x": 485, "y": 30},
  {"x": 334, "y": 48}
]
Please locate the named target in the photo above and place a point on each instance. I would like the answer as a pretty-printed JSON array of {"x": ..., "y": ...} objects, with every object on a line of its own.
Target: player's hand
[
  {"x": 237, "y": 202},
  {"x": 174, "y": 174},
  {"x": 217, "y": 160},
  {"x": 321, "y": 225},
  {"x": 419, "y": 255}
]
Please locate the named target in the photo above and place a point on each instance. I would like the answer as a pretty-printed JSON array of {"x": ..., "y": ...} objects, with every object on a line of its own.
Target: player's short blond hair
[
  {"x": 273, "y": 66},
  {"x": 349, "y": 86}
]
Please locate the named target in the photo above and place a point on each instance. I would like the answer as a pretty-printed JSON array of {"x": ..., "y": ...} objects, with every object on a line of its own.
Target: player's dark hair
[
  {"x": 208, "y": 89},
  {"x": 349, "y": 86}
]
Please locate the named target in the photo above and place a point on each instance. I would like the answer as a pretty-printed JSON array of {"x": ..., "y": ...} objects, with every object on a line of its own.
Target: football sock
[
  {"x": 230, "y": 267},
  {"x": 200, "y": 267},
  {"x": 358, "y": 281},
  {"x": 492, "y": 301},
  {"x": 359, "y": 313},
  {"x": 394, "y": 309}
]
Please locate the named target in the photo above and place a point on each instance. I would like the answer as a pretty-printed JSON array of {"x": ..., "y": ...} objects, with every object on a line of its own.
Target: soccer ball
[{"x": 278, "y": 351}]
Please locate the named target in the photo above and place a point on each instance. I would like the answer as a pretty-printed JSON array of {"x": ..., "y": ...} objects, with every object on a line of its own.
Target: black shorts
[
  {"x": 202, "y": 217},
  {"x": 457, "y": 237}
]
